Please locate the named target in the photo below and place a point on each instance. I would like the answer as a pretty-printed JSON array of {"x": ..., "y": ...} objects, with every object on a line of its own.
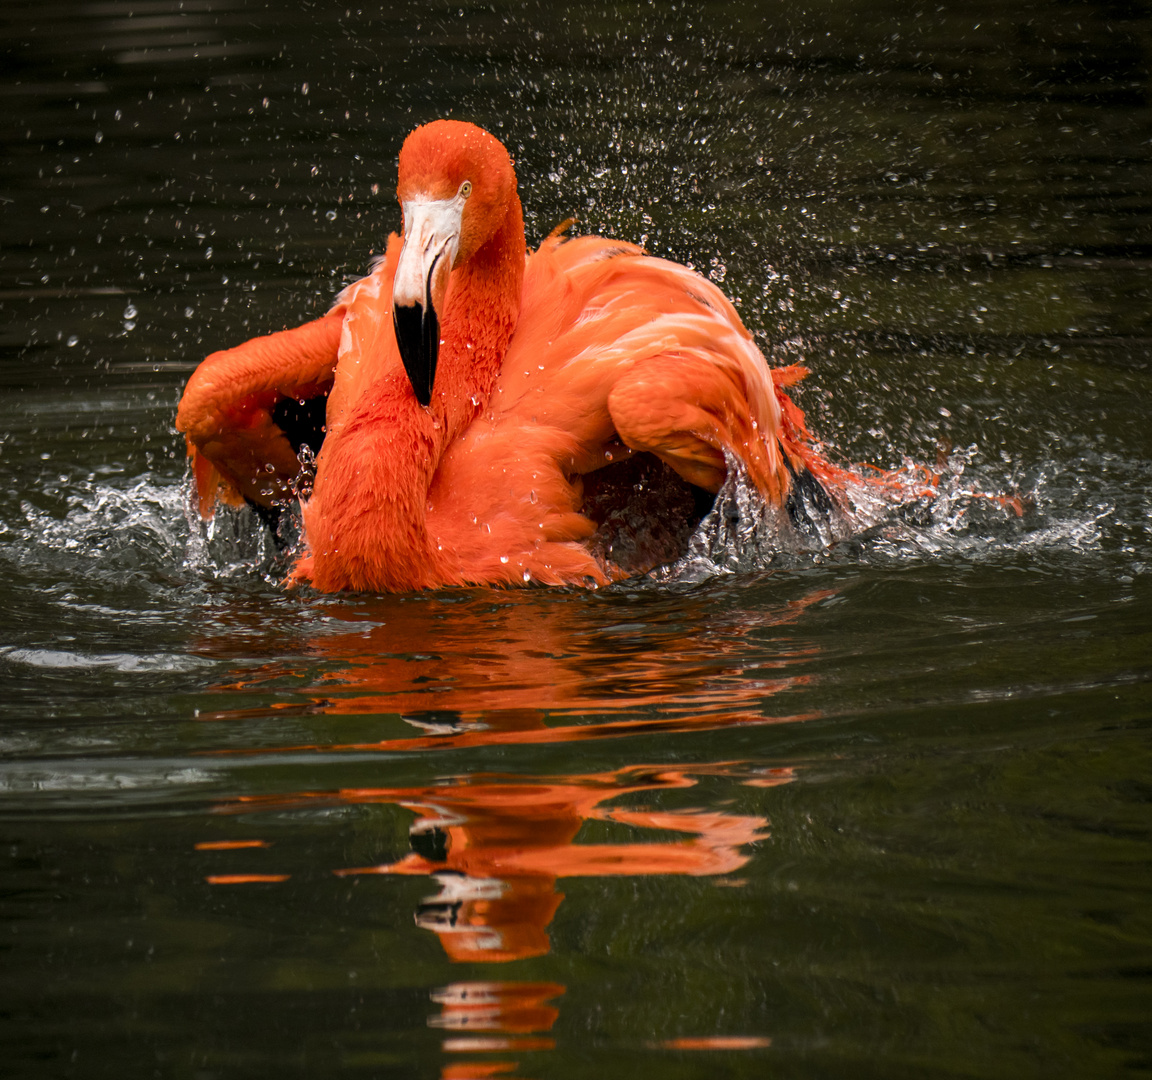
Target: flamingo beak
[{"x": 431, "y": 240}]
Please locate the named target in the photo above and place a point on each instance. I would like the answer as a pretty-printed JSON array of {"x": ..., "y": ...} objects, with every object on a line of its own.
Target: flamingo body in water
[{"x": 484, "y": 412}]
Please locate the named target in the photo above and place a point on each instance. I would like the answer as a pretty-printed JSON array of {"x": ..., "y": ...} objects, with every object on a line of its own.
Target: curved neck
[
  {"x": 482, "y": 306},
  {"x": 365, "y": 524}
]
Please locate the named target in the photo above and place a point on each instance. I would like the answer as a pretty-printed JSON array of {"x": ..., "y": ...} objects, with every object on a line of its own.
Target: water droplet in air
[
  {"x": 503, "y": 558},
  {"x": 73, "y": 341}
]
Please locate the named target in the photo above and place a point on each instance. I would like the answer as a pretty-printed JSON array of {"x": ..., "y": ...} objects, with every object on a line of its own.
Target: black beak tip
[{"x": 418, "y": 338}]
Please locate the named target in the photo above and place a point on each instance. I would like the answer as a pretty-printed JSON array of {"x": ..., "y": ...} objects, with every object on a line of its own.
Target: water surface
[{"x": 882, "y": 810}]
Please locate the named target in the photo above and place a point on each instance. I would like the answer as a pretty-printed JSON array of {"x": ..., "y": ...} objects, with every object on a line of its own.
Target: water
[{"x": 878, "y": 809}]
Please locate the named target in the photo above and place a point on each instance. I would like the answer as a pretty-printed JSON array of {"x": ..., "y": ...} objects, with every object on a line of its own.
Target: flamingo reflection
[
  {"x": 497, "y": 845},
  {"x": 492, "y": 669},
  {"x": 486, "y": 1015},
  {"x": 442, "y": 673}
]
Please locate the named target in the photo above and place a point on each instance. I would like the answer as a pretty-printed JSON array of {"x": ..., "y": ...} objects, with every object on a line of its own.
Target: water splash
[
  {"x": 148, "y": 528},
  {"x": 235, "y": 542},
  {"x": 132, "y": 528},
  {"x": 971, "y": 516},
  {"x": 143, "y": 529}
]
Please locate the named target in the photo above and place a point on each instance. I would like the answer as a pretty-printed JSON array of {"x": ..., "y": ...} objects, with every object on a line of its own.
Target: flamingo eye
[{"x": 465, "y": 189}]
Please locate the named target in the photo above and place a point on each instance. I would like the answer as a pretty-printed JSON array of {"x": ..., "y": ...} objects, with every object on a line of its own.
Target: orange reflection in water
[
  {"x": 230, "y": 845},
  {"x": 508, "y": 1007},
  {"x": 497, "y": 669},
  {"x": 246, "y": 879},
  {"x": 507, "y": 669},
  {"x": 493, "y": 1017},
  {"x": 717, "y": 1042},
  {"x": 496, "y": 846},
  {"x": 527, "y": 657}
]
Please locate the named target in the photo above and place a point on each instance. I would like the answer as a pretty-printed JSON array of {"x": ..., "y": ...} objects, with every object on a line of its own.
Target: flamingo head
[{"x": 456, "y": 183}]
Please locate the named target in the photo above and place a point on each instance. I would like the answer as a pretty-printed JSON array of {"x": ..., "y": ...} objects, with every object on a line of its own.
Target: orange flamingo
[{"x": 470, "y": 400}]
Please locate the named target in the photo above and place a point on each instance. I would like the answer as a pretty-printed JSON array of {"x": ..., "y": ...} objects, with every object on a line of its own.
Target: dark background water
[{"x": 881, "y": 812}]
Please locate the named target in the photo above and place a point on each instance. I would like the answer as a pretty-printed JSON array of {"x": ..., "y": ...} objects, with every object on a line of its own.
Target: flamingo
[{"x": 483, "y": 415}]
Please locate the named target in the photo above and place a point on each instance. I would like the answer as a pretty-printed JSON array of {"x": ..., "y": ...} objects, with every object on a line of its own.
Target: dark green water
[{"x": 884, "y": 812}]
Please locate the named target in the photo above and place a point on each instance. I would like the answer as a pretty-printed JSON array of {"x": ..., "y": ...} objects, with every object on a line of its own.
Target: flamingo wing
[
  {"x": 246, "y": 412},
  {"x": 616, "y": 354},
  {"x": 653, "y": 356}
]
